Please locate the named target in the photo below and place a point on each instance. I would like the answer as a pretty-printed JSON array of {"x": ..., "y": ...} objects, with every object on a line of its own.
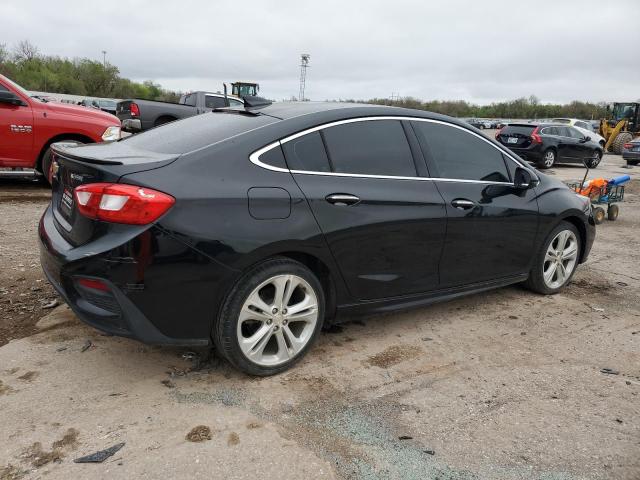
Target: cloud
[{"x": 477, "y": 51}]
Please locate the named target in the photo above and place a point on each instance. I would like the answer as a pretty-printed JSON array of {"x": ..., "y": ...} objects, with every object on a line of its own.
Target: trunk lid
[
  {"x": 78, "y": 165},
  {"x": 516, "y": 136}
]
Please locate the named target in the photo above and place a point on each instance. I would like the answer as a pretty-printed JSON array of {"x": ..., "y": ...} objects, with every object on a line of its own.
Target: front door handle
[
  {"x": 462, "y": 204},
  {"x": 342, "y": 199}
]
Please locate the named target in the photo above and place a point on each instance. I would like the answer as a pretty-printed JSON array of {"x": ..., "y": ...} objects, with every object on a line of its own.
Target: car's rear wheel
[
  {"x": 271, "y": 317},
  {"x": 594, "y": 161},
  {"x": 556, "y": 261},
  {"x": 548, "y": 159}
]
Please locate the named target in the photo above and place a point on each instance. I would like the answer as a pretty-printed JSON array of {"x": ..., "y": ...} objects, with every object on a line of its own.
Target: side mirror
[
  {"x": 524, "y": 179},
  {"x": 11, "y": 98}
]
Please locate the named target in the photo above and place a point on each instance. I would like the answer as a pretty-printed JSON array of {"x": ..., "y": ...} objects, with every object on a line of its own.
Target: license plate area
[
  {"x": 66, "y": 202},
  {"x": 512, "y": 140}
]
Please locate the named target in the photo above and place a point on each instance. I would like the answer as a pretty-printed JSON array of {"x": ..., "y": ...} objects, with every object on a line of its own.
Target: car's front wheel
[
  {"x": 556, "y": 261},
  {"x": 271, "y": 317},
  {"x": 594, "y": 161}
]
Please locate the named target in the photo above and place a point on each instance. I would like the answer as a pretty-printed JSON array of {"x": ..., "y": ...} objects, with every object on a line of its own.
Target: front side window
[
  {"x": 573, "y": 133},
  {"x": 190, "y": 100},
  {"x": 458, "y": 154},
  {"x": 375, "y": 147}
]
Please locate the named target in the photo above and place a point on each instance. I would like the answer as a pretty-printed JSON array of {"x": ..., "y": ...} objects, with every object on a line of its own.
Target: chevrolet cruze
[{"x": 250, "y": 229}]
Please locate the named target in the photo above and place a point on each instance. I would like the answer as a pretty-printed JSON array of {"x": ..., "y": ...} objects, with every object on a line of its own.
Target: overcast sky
[{"x": 479, "y": 51}]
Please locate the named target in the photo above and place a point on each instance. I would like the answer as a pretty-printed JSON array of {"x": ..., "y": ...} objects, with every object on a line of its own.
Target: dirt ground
[{"x": 501, "y": 385}]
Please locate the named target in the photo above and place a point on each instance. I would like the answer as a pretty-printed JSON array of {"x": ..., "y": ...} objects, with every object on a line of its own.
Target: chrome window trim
[{"x": 255, "y": 156}]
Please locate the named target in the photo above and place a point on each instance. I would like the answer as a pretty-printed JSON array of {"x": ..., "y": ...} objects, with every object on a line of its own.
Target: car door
[
  {"x": 582, "y": 149},
  {"x": 16, "y": 134},
  {"x": 491, "y": 225},
  {"x": 383, "y": 223},
  {"x": 567, "y": 148}
]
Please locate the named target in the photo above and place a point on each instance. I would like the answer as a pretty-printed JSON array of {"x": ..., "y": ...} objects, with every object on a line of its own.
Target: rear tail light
[
  {"x": 120, "y": 203},
  {"x": 135, "y": 110},
  {"x": 628, "y": 146},
  {"x": 498, "y": 134},
  {"x": 535, "y": 136},
  {"x": 93, "y": 284}
]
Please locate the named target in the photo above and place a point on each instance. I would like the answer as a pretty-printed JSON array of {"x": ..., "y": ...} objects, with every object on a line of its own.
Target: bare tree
[
  {"x": 4, "y": 53},
  {"x": 25, "y": 50}
]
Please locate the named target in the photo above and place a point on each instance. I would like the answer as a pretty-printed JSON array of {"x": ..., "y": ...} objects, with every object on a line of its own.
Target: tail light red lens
[
  {"x": 135, "y": 110},
  {"x": 120, "y": 203},
  {"x": 535, "y": 136},
  {"x": 93, "y": 284},
  {"x": 628, "y": 146},
  {"x": 498, "y": 134}
]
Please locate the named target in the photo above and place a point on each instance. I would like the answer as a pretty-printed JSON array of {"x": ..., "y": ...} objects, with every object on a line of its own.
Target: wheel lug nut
[
  {"x": 284, "y": 322},
  {"x": 284, "y": 311},
  {"x": 275, "y": 310},
  {"x": 269, "y": 322},
  {"x": 276, "y": 328}
]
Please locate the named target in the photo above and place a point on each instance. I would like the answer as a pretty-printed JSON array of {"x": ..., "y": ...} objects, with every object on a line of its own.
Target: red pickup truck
[{"x": 28, "y": 126}]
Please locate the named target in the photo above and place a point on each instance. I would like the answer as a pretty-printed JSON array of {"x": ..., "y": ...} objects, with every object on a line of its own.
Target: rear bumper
[
  {"x": 146, "y": 298},
  {"x": 633, "y": 156}
]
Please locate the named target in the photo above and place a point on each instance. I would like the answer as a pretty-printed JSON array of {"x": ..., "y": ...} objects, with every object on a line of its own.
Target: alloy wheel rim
[
  {"x": 595, "y": 159},
  {"x": 549, "y": 157},
  {"x": 277, "y": 320},
  {"x": 560, "y": 259}
]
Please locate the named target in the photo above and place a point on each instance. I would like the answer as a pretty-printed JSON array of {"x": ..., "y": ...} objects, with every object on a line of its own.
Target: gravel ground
[{"x": 501, "y": 385}]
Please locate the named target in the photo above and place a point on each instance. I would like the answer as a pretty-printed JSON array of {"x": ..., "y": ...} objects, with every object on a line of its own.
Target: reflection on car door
[
  {"x": 491, "y": 226},
  {"x": 567, "y": 149},
  {"x": 384, "y": 226},
  {"x": 581, "y": 148}
]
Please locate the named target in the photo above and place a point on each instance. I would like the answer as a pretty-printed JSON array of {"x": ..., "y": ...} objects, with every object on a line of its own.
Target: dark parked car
[
  {"x": 251, "y": 229},
  {"x": 631, "y": 152},
  {"x": 138, "y": 115},
  {"x": 548, "y": 143}
]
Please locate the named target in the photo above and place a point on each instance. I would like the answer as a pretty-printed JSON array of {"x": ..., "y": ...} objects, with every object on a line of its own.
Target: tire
[
  {"x": 612, "y": 212},
  {"x": 594, "y": 161},
  {"x": 274, "y": 350},
  {"x": 632, "y": 163},
  {"x": 548, "y": 159},
  {"x": 620, "y": 140},
  {"x": 598, "y": 215},
  {"x": 544, "y": 262},
  {"x": 45, "y": 164}
]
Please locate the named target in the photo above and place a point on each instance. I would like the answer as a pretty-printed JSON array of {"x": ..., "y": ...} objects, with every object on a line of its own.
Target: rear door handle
[
  {"x": 462, "y": 204},
  {"x": 342, "y": 199}
]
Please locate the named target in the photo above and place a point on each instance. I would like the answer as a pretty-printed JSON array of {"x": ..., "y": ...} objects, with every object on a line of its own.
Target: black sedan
[
  {"x": 251, "y": 229},
  {"x": 548, "y": 143},
  {"x": 631, "y": 152}
]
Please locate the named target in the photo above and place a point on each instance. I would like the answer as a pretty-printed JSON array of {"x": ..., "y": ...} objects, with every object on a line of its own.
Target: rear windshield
[
  {"x": 196, "y": 132},
  {"x": 521, "y": 129}
]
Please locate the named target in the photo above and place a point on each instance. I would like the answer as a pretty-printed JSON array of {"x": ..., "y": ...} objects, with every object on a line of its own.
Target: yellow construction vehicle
[
  {"x": 622, "y": 127},
  {"x": 244, "y": 89}
]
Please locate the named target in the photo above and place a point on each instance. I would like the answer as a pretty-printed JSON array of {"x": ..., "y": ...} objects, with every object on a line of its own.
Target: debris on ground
[
  {"x": 429, "y": 452},
  {"x": 87, "y": 345},
  {"x": 609, "y": 371},
  {"x": 51, "y": 304},
  {"x": 405, "y": 437},
  {"x": 100, "y": 456},
  {"x": 168, "y": 384},
  {"x": 233, "y": 439},
  {"x": 199, "y": 434}
]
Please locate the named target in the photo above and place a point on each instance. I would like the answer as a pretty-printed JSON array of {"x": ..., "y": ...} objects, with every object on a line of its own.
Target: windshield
[
  {"x": 623, "y": 110},
  {"x": 15, "y": 86}
]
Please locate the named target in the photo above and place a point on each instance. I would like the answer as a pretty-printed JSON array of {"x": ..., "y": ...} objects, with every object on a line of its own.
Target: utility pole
[
  {"x": 104, "y": 58},
  {"x": 304, "y": 63},
  {"x": 394, "y": 97}
]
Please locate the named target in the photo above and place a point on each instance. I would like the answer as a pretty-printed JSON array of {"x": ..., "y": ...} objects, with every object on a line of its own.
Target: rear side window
[
  {"x": 307, "y": 153},
  {"x": 274, "y": 157},
  {"x": 376, "y": 147},
  {"x": 549, "y": 131},
  {"x": 461, "y": 155},
  {"x": 211, "y": 101},
  {"x": 575, "y": 133},
  {"x": 563, "y": 131}
]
